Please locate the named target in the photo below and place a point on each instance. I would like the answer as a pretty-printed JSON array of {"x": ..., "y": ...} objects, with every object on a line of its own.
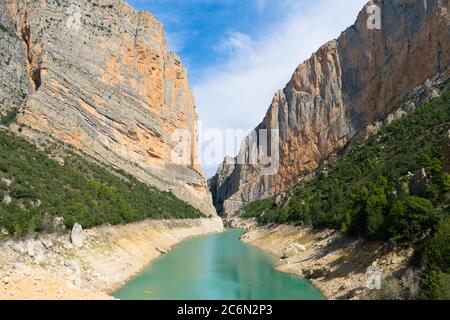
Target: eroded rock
[
  {"x": 77, "y": 236},
  {"x": 125, "y": 105},
  {"x": 347, "y": 85}
]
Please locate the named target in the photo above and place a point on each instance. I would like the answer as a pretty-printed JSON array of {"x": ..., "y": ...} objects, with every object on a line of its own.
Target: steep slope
[
  {"x": 102, "y": 80},
  {"x": 334, "y": 96},
  {"x": 391, "y": 190},
  {"x": 39, "y": 186}
]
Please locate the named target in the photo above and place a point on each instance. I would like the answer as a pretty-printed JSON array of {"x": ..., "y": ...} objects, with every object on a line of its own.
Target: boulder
[
  {"x": 46, "y": 242},
  {"x": 19, "y": 247},
  {"x": 292, "y": 250},
  {"x": 77, "y": 236}
]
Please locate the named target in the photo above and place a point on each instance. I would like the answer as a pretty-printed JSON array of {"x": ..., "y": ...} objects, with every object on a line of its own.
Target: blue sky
[
  {"x": 240, "y": 52},
  {"x": 198, "y": 29}
]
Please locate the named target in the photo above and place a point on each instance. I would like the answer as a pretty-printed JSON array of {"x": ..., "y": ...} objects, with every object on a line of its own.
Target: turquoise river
[{"x": 216, "y": 267}]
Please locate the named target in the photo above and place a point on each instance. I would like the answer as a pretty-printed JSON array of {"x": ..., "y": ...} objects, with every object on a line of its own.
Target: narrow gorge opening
[{"x": 34, "y": 71}]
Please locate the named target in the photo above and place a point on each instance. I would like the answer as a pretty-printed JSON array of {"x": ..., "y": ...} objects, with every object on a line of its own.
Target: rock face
[
  {"x": 102, "y": 80},
  {"x": 348, "y": 84},
  {"x": 14, "y": 84}
]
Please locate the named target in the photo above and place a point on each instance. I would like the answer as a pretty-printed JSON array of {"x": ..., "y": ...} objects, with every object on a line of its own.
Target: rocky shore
[
  {"x": 337, "y": 265},
  {"x": 89, "y": 264}
]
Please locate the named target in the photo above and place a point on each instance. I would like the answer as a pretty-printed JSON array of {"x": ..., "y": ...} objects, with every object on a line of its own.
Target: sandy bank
[{"x": 49, "y": 267}]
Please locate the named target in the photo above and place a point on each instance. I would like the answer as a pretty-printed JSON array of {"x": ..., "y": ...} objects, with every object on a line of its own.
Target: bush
[
  {"x": 409, "y": 218},
  {"x": 365, "y": 192},
  {"x": 390, "y": 289},
  {"x": 10, "y": 117},
  {"x": 437, "y": 285},
  {"x": 80, "y": 191}
]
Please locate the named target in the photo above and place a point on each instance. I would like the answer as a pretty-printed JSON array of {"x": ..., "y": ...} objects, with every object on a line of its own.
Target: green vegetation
[
  {"x": 80, "y": 191},
  {"x": 3, "y": 28},
  {"x": 435, "y": 256},
  {"x": 6, "y": 30},
  {"x": 366, "y": 192},
  {"x": 10, "y": 117}
]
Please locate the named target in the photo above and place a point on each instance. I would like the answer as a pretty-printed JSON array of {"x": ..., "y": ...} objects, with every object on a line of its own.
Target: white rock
[
  {"x": 19, "y": 247},
  {"x": 4, "y": 232},
  {"x": 36, "y": 203},
  {"x": 7, "y": 182},
  {"x": 77, "y": 236},
  {"x": 299, "y": 247},
  {"x": 291, "y": 251},
  {"x": 29, "y": 244},
  {"x": 7, "y": 199},
  {"x": 47, "y": 242},
  {"x": 435, "y": 94}
]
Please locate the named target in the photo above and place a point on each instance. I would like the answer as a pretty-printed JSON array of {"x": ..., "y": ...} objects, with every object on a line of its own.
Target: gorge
[
  {"x": 95, "y": 203},
  {"x": 335, "y": 96}
]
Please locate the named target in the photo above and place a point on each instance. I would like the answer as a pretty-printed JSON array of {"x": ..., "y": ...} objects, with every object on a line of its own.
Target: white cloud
[
  {"x": 237, "y": 93},
  {"x": 236, "y": 44}
]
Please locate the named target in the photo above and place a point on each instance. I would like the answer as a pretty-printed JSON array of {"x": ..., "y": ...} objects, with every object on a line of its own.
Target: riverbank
[
  {"x": 335, "y": 264},
  {"x": 50, "y": 267}
]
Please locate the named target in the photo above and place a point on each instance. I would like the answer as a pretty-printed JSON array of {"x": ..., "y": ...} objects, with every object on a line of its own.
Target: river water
[{"x": 214, "y": 267}]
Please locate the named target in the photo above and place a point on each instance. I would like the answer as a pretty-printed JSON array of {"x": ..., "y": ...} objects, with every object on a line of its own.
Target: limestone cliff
[
  {"x": 345, "y": 86},
  {"x": 102, "y": 80}
]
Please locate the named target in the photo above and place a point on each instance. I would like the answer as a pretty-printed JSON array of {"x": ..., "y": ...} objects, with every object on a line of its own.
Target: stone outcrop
[
  {"x": 101, "y": 79},
  {"x": 77, "y": 236},
  {"x": 347, "y": 85}
]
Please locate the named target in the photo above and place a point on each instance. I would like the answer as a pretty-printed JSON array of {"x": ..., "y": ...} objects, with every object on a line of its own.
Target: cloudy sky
[{"x": 240, "y": 52}]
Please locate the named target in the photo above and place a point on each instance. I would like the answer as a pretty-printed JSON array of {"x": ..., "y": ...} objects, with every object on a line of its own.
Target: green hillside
[
  {"x": 35, "y": 189},
  {"x": 366, "y": 192}
]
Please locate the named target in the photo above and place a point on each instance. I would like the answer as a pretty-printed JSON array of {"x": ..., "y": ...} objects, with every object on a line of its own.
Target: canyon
[
  {"x": 334, "y": 98},
  {"x": 96, "y": 78}
]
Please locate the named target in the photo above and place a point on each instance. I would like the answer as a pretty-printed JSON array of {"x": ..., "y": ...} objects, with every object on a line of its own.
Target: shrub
[{"x": 80, "y": 191}]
